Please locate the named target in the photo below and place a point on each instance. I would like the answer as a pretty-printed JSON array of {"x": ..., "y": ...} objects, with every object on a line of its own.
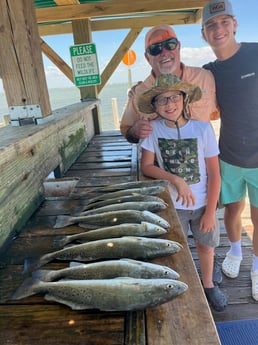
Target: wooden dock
[{"x": 186, "y": 319}]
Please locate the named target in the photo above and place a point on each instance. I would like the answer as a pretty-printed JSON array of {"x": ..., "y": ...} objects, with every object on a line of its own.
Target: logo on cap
[{"x": 219, "y": 7}]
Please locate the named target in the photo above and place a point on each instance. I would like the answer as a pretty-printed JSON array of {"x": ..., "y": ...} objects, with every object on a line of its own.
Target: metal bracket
[{"x": 25, "y": 114}]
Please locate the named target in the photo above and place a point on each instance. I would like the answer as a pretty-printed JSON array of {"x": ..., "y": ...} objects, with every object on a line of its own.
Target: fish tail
[
  {"x": 32, "y": 264},
  {"x": 62, "y": 221},
  {"x": 41, "y": 275},
  {"x": 60, "y": 242},
  {"x": 77, "y": 210},
  {"x": 26, "y": 289}
]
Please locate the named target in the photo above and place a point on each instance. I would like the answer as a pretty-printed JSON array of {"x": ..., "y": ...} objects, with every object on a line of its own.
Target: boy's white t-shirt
[{"x": 184, "y": 157}]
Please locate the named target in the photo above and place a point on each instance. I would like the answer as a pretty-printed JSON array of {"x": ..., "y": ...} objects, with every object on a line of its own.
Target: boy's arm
[
  {"x": 208, "y": 222},
  {"x": 150, "y": 169}
]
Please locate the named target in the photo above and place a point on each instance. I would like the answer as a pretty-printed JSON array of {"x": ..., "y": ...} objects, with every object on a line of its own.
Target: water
[{"x": 65, "y": 96}]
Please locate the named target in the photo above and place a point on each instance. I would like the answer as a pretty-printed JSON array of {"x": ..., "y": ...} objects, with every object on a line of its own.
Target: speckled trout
[
  {"x": 132, "y": 184},
  {"x": 144, "y": 229},
  {"x": 152, "y": 190},
  {"x": 112, "y": 218},
  {"x": 152, "y": 206},
  {"x": 119, "y": 294},
  {"x": 118, "y": 200},
  {"x": 109, "y": 269},
  {"x": 113, "y": 248}
]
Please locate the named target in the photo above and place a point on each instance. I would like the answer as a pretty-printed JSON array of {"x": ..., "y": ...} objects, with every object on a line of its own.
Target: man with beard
[{"x": 162, "y": 51}]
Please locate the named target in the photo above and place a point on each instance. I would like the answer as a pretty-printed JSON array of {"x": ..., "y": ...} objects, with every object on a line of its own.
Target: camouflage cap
[{"x": 165, "y": 83}]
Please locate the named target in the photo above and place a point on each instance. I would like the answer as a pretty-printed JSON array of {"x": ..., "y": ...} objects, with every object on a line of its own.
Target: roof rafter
[
  {"x": 125, "y": 23},
  {"x": 114, "y": 8}
]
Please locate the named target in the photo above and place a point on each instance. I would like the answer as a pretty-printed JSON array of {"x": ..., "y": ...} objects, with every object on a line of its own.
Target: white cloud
[
  {"x": 55, "y": 78},
  {"x": 197, "y": 56}
]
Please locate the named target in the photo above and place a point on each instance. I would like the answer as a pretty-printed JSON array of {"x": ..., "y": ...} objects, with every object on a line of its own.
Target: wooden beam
[
  {"x": 22, "y": 67},
  {"x": 67, "y": 2},
  {"x": 82, "y": 34},
  {"x": 125, "y": 23},
  {"x": 118, "y": 56},
  {"x": 57, "y": 60},
  {"x": 114, "y": 8}
]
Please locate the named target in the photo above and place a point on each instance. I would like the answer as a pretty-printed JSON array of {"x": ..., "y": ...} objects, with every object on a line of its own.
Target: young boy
[
  {"x": 236, "y": 74},
  {"x": 187, "y": 154}
]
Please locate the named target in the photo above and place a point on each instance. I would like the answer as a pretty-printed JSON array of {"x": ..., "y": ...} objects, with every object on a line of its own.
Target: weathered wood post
[
  {"x": 82, "y": 34},
  {"x": 21, "y": 63}
]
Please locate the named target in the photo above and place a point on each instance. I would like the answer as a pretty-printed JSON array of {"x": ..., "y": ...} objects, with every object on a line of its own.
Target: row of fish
[
  {"x": 123, "y": 284},
  {"x": 110, "y": 275}
]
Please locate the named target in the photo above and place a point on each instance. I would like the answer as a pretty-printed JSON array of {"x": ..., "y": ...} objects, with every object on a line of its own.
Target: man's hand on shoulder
[
  {"x": 131, "y": 92},
  {"x": 140, "y": 130}
]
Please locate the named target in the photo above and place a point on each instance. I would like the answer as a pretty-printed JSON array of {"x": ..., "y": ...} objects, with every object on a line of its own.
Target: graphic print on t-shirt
[{"x": 180, "y": 157}]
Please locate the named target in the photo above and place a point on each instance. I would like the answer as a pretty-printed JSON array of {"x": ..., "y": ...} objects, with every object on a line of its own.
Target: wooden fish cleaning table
[{"x": 185, "y": 320}]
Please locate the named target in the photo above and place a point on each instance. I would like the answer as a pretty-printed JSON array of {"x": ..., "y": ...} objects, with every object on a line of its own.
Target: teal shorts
[{"x": 236, "y": 182}]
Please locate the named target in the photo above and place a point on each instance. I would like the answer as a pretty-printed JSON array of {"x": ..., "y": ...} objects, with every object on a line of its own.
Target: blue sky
[{"x": 194, "y": 49}]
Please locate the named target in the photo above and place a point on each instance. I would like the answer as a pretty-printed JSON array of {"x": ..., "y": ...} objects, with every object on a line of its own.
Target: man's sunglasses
[{"x": 156, "y": 49}]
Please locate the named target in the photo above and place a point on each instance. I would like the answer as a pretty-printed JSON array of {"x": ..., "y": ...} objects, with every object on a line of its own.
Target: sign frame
[{"x": 85, "y": 64}]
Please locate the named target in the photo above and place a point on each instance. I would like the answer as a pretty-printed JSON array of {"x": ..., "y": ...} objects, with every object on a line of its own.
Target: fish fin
[
  {"x": 76, "y": 263},
  {"x": 62, "y": 221},
  {"x": 71, "y": 304},
  {"x": 130, "y": 260},
  {"x": 77, "y": 210},
  {"x": 60, "y": 241},
  {"x": 41, "y": 274},
  {"x": 30, "y": 264},
  {"x": 25, "y": 289},
  {"x": 88, "y": 226}
]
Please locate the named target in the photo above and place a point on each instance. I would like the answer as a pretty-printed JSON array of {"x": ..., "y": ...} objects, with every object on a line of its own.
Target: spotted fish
[
  {"x": 119, "y": 294},
  {"x": 107, "y": 270},
  {"x": 113, "y": 248}
]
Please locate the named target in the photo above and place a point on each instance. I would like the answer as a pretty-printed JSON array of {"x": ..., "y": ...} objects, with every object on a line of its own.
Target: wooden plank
[
  {"x": 67, "y": 2},
  {"x": 114, "y": 8},
  {"x": 116, "y": 146},
  {"x": 104, "y": 154},
  {"x": 100, "y": 166},
  {"x": 57, "y": 324},
  {"x": 177, "y": 18},
  {"x": 29, "y": 155},
  {"x": 100, "y": 159},
  {"x": 135, "y": 328}
]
